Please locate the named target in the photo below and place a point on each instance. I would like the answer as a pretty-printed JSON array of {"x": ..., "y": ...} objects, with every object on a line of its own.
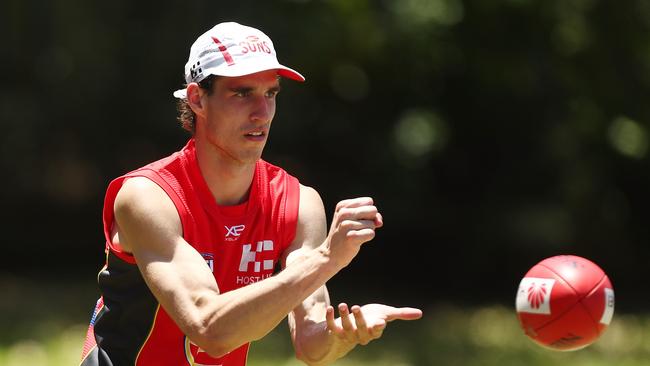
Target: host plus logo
[
  {"x": 248, "y": 256},
  {"x": 250, "y": 261}
]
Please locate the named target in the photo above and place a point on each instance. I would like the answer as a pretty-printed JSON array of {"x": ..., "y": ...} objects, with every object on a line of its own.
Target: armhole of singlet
[
  {"x": 109, "y": 219},
  {"x": 109, "y": 214}
]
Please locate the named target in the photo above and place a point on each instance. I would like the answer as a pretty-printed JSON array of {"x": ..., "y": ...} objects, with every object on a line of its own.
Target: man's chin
[{"x": 251, "y": 159}]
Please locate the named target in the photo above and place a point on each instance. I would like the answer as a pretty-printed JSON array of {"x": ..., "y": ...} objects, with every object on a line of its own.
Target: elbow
[
  {"x": 217, "y": 350},
  {"x": 214, "y": 343},
  {"x": 211, "y": 326}
]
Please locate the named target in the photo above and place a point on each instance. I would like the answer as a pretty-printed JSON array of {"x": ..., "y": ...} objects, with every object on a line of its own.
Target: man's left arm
[{"x": 319, "y": 337}]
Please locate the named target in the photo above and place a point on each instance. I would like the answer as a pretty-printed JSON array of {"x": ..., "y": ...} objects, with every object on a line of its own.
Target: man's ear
[{"x": 194, "y": 94}]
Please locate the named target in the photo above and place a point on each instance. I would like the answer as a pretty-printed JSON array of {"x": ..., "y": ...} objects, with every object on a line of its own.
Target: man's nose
[{"x": 264, "y": 109}]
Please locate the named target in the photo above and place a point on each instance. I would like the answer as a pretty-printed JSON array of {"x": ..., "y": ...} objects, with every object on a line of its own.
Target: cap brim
[
  {"x": 180, "y": 93},
  {"x": 290, "y": 74},
  {"x": 283, "y": 71},
  {"x": 243, "y": 69}
]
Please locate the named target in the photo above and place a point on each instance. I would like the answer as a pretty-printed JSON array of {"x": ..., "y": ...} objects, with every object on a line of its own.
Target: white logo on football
[
  {"x": 609, "y": 307},
  {"x": 534, "y": 295}
]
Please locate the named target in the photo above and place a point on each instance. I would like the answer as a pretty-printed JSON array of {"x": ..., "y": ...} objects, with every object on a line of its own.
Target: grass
[{"x": 46, "y": 327}]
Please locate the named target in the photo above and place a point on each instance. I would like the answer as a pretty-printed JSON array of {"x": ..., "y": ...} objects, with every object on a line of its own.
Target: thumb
[{"x": 404, "y": 314}]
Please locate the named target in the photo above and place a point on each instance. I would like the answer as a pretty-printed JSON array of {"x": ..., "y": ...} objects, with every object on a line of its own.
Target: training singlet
[{"x": 241, "y": 244}]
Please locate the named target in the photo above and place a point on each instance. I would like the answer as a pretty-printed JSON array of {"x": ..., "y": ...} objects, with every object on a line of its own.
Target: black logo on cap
[{"x": 195, "y": 69}]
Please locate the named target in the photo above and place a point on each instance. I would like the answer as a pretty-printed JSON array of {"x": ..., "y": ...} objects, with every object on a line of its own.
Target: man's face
[{"x": 238, "y": 115}]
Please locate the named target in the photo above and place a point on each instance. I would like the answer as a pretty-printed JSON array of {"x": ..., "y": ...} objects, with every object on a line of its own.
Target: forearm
[{"x": 249, "y": 313}]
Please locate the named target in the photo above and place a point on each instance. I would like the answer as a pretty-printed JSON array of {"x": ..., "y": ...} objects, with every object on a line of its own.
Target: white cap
[{"x": 232, "y": 49}]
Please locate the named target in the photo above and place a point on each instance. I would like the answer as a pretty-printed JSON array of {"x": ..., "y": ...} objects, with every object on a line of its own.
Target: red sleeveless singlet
[{"x": 241, "y": 244}]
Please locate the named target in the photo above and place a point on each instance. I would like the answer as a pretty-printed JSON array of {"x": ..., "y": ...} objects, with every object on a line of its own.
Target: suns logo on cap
[{"x": 253, "y": 44}]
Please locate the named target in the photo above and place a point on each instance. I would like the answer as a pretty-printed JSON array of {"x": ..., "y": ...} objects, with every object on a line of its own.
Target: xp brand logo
[
  {"x": 534, "y": 295},
  {"x": 250, "y": 256},
  {"x": 233, "y": 232}
]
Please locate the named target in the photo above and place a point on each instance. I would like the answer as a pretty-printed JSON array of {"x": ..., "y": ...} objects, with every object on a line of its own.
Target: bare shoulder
[
  {"x": 142, "y": 207},
  {"x": 139, "y": 195},
  {"x": 311, "y": 203}
]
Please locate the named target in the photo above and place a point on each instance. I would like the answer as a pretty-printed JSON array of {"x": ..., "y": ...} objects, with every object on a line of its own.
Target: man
[{"x": 216, "y": 202}]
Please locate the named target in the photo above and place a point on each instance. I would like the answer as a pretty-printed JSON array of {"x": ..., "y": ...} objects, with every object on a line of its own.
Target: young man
[{"x": 192, "y": 240}]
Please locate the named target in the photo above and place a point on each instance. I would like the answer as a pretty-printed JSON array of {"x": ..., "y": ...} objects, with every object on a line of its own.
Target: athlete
[{"x": 193, "y": 240}]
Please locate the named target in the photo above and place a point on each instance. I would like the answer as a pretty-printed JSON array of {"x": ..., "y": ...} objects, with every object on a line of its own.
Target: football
[{"x": 565, "y": 302}]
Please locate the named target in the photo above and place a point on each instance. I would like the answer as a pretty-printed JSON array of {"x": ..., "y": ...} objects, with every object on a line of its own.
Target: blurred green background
[{"x": 492, "y": 134}]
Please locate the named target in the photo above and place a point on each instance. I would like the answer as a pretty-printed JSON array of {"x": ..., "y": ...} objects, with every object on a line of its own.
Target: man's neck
[{"x": 229, "y": 180}]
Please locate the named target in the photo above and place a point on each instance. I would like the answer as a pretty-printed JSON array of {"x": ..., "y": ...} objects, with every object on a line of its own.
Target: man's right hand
[{"x": 354, "y": 223}]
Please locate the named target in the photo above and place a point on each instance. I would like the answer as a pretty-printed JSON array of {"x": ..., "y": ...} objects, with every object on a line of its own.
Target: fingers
[
  {"x": 359, "y": 319},
  {"x": 367, "y": 212},
  {"x": 352, "y": 326},
  {"x": 360, "y": 325},
  {"x": 357, "y": 224},
  {"x": 354, "y": 202},
  {"x": 363, "y": 333},
  {"x": 355, "y": 217},
  {"x": 362, "y": 208},
  {"x": 329, "y": 319},
  {"x": 362, "y": 230},
  {"x": 404, "y": 314},
  {"x": 379, "y": 220},
  {"x": 355, "y": 221},
  {"x": 348, "y": 327},
  {"x": 345, "y": 317}
]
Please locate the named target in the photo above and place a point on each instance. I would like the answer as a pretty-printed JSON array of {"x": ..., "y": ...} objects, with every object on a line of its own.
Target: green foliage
[{"x": 447, "y": 335}]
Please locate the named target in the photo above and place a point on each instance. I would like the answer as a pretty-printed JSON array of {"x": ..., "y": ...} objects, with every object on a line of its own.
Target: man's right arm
[{"x": 148, "y": 226}]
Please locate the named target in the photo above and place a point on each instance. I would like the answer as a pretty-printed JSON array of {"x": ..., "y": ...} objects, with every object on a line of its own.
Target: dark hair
[{"x": 186, "y": 115}]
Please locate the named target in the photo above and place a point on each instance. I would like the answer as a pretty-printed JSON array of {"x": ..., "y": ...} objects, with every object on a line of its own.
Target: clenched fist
[{"x": 354, "y": 223}]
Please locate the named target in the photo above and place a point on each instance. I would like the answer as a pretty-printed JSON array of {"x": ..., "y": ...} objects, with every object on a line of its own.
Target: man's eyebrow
[
  {"x": 248, "y": 89},
  {"x": 241, "y": 89}
]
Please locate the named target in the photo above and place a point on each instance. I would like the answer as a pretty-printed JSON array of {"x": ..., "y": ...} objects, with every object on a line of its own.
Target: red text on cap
[{"x": 253, "y": 44}]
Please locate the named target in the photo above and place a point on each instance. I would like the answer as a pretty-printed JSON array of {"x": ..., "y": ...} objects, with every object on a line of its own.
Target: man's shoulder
[
  {"x": 273, "y": 170},
  {"x": 269, "y": 166}
]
